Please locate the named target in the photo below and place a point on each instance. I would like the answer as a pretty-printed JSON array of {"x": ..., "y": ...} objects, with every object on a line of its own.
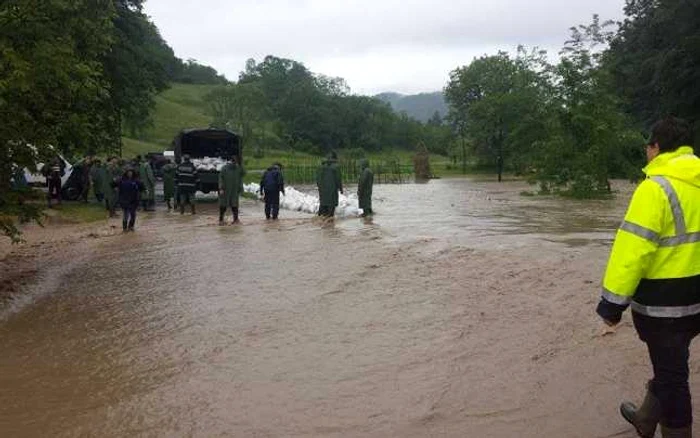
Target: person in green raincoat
[
  {"x": 230, "y": 189},
  {"x": 364, "y": 188},
  {"x": 149, "y": 182},
  {"x": 112, "y": 173},
  {"x": 98, "y": 174},
  {"x": 329, "y": 182},
  {"x": 169, "y": 171}
]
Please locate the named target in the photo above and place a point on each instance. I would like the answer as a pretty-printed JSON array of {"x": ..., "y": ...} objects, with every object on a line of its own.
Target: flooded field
[{"x": 463, "y": 309}]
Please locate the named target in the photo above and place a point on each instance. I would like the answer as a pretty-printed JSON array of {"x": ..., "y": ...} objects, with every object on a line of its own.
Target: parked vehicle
[
  {"x": 37, "y": 179},
  {"x": 208, "y": 143},
  {"x": 157, "y": 164}
]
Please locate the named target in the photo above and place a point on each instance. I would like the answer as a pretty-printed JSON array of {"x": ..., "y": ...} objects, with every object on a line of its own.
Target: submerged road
[{"x": 462, "y": 309}]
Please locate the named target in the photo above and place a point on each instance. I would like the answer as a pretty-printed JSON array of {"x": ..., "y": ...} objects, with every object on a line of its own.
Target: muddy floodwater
[{"x": 463, "y": 309}]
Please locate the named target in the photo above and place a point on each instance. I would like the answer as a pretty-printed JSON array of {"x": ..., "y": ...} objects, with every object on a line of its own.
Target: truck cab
[{"x": 208, "y": 143}]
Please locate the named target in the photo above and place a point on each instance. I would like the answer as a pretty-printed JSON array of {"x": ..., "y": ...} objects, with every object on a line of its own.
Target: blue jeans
[{"x": 129, "y": 218}]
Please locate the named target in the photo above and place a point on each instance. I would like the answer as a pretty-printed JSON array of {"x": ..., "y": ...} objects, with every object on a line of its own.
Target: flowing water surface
[{"x": 295, "y": 327}]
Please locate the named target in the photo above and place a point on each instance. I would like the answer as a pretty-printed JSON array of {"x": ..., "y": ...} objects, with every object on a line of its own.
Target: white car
[{"x": 39, "y": 180}]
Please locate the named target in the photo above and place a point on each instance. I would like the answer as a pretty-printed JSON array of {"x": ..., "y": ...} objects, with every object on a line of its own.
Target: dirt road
[{"x": 462, "y": 310}]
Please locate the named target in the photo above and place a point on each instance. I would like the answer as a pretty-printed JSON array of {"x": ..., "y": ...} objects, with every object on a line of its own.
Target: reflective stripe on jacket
[
  {"x": 655, "y": 261},
  {"x": 186, "y": 177}
]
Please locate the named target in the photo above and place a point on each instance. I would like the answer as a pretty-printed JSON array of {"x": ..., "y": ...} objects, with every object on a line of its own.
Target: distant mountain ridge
[{"x": 418, "y": 106}]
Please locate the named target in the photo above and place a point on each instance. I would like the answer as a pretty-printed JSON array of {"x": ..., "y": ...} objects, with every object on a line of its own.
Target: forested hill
[{"x": 418, "y": 106}]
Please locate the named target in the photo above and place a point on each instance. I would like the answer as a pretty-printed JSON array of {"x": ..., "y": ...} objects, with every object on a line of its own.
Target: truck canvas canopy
[{"x": 210, "y": 142}]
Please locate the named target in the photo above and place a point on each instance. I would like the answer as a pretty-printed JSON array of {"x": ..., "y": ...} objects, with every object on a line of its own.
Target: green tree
[
  {"x": 496, "y": 104},
  {"x": 589, "y": 139},
  {"x": 192, "y": 72},
  {"x": 239, "y": 107},
  {"x": 654, "y": 59},
  {"x": 52, "y": 88},
  {"x": 136, "y": 65},
  {"x": 435, "y": 119}
]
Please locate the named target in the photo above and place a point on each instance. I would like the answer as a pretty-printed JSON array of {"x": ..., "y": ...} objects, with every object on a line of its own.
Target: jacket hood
[{"x": 681, "y": 164}]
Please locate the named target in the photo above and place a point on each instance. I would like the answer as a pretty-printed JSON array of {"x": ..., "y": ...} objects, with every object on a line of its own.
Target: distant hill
[{"x": 419, "y": 106}]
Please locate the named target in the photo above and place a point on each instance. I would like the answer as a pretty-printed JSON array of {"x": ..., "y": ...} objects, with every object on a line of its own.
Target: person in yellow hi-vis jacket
[{"x": 654, "y": 267}]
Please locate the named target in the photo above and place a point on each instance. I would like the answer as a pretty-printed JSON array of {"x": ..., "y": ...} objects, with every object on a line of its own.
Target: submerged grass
[{"x": 78, "y": 212}]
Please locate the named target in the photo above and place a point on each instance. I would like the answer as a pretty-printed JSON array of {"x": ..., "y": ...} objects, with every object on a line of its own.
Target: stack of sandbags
[
  {"x": 298, "y": 201},
  {"x": 209, "y": 163}
]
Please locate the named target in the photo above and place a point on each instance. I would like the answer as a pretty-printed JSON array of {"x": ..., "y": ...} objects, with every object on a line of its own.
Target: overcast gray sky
[{"x": 407, "y": 46}]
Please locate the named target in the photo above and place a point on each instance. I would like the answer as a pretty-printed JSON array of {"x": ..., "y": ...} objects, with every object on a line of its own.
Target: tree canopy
[
  {"x": 573, "y": 125},
  {"x": 314, "y": 113},
  {"x": 72, "y": 74}
]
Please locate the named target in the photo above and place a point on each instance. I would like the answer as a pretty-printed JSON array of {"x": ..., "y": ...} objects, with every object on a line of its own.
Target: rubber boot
[
  {"x": 193, "y": 209},
  {"x": 182, "y": 208},
  {"x": 235, "y": 215},
  {"x": 222, "y": 212},
  {"x": 170, "y": 207},
  {"x": 686, "y": 432},
  {"x": 646, "y": 417}
]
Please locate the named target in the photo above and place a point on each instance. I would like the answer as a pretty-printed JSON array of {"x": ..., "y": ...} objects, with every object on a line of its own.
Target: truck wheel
[{"x": 70, "y": 194}]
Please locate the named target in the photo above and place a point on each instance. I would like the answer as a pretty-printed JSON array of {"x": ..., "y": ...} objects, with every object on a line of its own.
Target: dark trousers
[
  {"x": 222, "y": 212},
  {"x": 129, "y": 218},
  {"x": 110, "y": 206},
  {"x": 272, "y": 210},
  {"x": 84, "y": 190},
  {"x": 54, "y": 190},
  {"x": 100, "y": 197},
  {"x": 272, "y": 203},
  {"x": 326, "y": 211},
  {"x": 668, "y": 341},
  {"x": 185, "y": 198}
]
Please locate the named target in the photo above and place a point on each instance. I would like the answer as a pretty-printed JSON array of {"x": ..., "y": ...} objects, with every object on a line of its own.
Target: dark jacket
[
  {"x": 129, "y": 192},
  {"x": 187, "y": 178},
  {"x": 53, "y": 171},
  {"x": 272, "y": 182}
]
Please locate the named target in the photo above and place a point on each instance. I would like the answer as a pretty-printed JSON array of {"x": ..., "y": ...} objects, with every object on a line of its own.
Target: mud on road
[{"x": 462, "y": 309}]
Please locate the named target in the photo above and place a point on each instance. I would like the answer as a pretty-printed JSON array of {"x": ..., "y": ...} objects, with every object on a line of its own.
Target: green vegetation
[
  {"x": 561, "y": 125},
  {"x": 81, "y": 75},
  {"x": 73, "y": 75},
  {"x": 573, "y": 125},
  {"x": 79, "y": 212},
  {"x": 279, "y": 104},
  {"x": 180, "y": 106}
]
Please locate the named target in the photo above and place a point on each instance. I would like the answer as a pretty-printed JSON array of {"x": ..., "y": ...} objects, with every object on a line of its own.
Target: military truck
[{"x": 211, "y": 143}]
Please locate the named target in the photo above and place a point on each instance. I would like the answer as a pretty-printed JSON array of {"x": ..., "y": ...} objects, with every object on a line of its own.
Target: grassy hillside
[{"x": 181, "y": 106}]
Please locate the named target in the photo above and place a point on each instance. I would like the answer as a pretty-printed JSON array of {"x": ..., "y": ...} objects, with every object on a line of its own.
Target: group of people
[
  {"x": 137, "y": 185},
  {"x": 130, "y": 184},
  {"x": 92, "y": 173}
]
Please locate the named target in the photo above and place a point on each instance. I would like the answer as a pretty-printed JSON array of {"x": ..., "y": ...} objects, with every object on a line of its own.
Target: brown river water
[{"x": 463, "y": 309}]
